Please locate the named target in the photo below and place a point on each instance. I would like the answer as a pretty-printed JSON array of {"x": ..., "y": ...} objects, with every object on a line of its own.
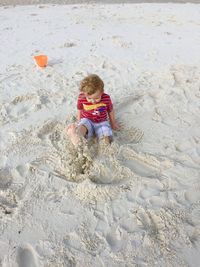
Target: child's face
[{"x": 94, "y": 98}]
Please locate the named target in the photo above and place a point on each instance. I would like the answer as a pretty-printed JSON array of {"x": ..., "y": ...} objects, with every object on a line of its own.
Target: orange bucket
[{"x": 41, "y": 60}]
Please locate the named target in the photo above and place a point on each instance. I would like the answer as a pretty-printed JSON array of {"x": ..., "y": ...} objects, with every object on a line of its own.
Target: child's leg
[
  {"x": 103, "y": 132},
  {"x": 75, "y": 133}
]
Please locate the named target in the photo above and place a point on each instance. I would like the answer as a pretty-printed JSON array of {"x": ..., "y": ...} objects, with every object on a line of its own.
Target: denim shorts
[{"x": 98, "y": 129}]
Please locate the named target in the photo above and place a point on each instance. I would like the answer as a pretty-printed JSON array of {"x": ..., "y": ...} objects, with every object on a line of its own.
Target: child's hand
[{"x": 115, "y": 126}]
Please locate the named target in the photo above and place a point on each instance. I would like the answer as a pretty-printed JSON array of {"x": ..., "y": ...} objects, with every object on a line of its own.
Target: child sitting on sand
[{"x": 94, "y": 109}]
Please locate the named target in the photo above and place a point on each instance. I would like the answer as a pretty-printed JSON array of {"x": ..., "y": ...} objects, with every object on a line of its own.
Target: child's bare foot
[
  {"x": 72, "y": 133},
  {"x": 106, "y": 140}
]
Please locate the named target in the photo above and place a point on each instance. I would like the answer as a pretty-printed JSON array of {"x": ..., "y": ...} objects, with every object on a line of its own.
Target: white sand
[
  {"x": 64, "y": 2},
  {"x": 135, "y": 203}
]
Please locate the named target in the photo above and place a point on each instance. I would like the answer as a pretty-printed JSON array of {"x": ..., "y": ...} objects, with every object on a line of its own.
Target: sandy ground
[
  {"x": 62, "y": 2},
  {"x": 134, "y": 203}
]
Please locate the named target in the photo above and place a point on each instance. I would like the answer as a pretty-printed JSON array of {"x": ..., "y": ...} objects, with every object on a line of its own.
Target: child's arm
[
  {"x": 78, "y": 115},
  {"x": 113, "y": 123}
]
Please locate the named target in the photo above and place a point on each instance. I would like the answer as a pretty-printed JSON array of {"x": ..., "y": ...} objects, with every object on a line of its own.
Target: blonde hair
[{"x": 91, "y": 84}]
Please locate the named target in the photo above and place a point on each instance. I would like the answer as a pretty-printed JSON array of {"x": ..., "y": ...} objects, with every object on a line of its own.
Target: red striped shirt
[{"x": 96, "y": 112}]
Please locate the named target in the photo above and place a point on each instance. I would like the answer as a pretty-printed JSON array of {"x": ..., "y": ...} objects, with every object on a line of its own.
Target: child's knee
[{"x": 82, "y": 130}]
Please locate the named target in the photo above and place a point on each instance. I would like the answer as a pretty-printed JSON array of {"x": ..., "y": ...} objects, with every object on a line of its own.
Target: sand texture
[{"x": 70, "y": 2}]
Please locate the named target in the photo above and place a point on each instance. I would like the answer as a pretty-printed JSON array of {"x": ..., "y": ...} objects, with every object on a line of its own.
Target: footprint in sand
[
  {"x": 46, "y": 129},
  {"x": 193, "y": 194},
  {"x": 26, "y": 257},
  {"x": 116, "y": 239},
  {"x": 8, "y": 203},
  {"x": 21, "y": 106},
  {"x": 5, "y": 178},
  {"x": 147, "y": 192},
  {"x": 143, "y": 165},
  {"x": 8, "y": 200},
  {"x": 91, "y": 241},
  {"x": 12, "y": 183}
]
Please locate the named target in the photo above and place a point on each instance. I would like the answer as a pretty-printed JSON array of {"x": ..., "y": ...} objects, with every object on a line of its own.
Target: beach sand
[
  {"x": 133, "y": 203},
  {"x": 64, "y": 2}
]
